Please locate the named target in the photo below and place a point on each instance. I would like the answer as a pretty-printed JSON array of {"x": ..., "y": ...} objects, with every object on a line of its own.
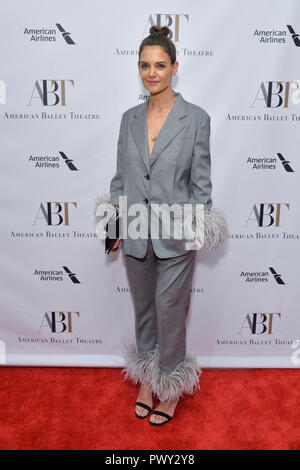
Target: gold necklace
[{"x": 153, "y": 137}]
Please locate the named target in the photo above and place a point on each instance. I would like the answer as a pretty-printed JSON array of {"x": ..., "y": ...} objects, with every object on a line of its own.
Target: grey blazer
[{"x": 178, "y": 170}]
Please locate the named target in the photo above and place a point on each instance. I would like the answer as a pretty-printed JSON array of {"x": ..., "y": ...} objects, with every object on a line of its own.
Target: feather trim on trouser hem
[
  {"x": 183, "y": 380},
  {"x": 138, "y": 366}
]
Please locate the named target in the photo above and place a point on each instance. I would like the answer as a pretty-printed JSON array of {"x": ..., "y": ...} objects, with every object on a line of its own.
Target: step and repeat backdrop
[{"x": 68, "y": 72}]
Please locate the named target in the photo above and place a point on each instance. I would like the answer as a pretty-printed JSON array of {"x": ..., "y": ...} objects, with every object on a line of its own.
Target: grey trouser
[{"x": 161, "y": 290}]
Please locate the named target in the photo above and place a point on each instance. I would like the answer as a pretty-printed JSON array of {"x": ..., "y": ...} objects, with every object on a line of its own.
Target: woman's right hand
[{"x": 115, "y": 247}]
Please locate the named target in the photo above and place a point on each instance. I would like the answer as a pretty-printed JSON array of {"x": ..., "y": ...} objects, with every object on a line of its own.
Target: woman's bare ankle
[
  {"x": 145, "y": 386},
  {"x": 144, "y": 396}
]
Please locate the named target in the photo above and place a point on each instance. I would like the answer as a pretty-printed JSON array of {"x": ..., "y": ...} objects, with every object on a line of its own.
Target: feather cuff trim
[
  {"x": 215, "y": 229},
  {"x": 138, "y": 366},
  {"x": 104, "y": 203},
  {"x": 145, "y": 367},
  {"x": 183, "y": 380}
]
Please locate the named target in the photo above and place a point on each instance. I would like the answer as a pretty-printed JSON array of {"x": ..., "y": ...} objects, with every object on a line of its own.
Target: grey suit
[
  {"x": 160, "y": 270},
  {"x": 177, "y": 172}
]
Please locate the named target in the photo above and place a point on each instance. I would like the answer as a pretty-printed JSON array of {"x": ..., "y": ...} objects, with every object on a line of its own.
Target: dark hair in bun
[
  {"x": 159, "y": 37},
  {"x": 160, "y": 30}
]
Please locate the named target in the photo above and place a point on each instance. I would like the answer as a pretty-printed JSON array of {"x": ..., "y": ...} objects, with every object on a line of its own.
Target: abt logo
[
  {"x": 172, "y": 20},
  {"x": 54, "y": 211},
  {"x": 268, "y": 212},
  {"x": 59, "y": 322},
  {"x": 276, "y": 94},
  {"x": 259, "y": 323},
  {"x": 56, "y": 89}
]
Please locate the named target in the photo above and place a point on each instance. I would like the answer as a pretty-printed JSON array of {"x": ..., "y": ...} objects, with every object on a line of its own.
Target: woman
[{"x": 172, "y": 138}]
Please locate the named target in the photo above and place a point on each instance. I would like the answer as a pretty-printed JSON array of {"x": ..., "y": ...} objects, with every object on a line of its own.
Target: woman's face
[{"x": 155, "y": 69}]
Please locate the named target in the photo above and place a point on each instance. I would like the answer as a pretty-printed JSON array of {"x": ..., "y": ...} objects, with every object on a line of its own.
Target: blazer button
[
  {"x": 146, "y": 201},
  {"x": 147, "y": 177}
]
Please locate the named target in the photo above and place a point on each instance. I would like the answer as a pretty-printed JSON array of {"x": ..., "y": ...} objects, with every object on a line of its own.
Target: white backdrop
[{"x": 68, "y": 72}]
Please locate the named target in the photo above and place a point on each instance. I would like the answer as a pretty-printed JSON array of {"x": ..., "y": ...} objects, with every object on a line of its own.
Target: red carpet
[{"x": 79, "y": 408}]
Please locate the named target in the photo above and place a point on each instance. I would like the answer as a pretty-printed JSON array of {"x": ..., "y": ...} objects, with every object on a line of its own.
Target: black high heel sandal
[
  {"x": 161, "y": 413},
  {"x": 143, "y": 405}
]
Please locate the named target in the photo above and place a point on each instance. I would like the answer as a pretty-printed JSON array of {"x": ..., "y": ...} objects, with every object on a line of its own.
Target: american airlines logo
[
  {"x": 65, "y": 34},
  {"x": 37, "y": 35},
  {"x": 277, "y": 276},
  {"x": 285, "y": 163},
  {"x": 270, "y": 163},
  {"x": 277, "y": 36},
  {"x": 56, "y": 275},
  {"x": 261, "y": 277},
  {"x": 294, "y": 35},
  {"x": 71, "y": 275},
  {"x": 68, "y": 161},
  {"x": 52, "y": 161}
]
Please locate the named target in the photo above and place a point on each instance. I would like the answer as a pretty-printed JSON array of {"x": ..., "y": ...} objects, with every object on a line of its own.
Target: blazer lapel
[
  {"x": 172, "y": 126},
  {"x": 139, "y": 131}
]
